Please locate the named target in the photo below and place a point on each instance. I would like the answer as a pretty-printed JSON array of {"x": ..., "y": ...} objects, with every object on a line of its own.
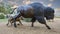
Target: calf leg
[
  {"x": 20, "y": 23},
  {"x": 33, "y": 20},
  {"x": 11, "y": 22},
  {"x": 7, "y": 23},
  {"x": 14, "y": 23}
]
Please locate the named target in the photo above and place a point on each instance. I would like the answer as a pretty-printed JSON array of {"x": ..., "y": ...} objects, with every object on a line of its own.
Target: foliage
[
  {"x": 2, "y": 9},
  {"x": 27, "y": 19},
  {"x": 2, "y": 16},
  {"x": 5, "y": 8}
]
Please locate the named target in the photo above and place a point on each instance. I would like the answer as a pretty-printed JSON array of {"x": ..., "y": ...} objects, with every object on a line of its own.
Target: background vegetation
[{"x": 4, "y": 10}]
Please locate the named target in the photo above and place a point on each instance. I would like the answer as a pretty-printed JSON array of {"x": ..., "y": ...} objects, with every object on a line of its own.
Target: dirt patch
[{"x": 27, "y": 29}]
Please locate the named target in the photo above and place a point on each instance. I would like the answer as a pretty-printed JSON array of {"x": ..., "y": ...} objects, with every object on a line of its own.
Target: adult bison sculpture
[
  {"x": 34, "y": 11},
  {"x": 48, "y": 11}
]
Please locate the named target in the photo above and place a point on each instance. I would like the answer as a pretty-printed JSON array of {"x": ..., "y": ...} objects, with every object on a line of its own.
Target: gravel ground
[{"x": 27, "y": 29}]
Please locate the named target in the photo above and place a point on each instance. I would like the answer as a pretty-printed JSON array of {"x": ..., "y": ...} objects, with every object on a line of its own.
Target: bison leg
[
  {"x": 14, "y": 23},
  {"x": 47, "y": 26},
  {"x": 42, "y": 21},
  {"x": 33, "y": 20}
]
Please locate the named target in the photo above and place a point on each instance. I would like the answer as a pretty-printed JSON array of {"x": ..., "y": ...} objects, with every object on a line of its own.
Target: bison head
[{"x": 49, "y": 13}]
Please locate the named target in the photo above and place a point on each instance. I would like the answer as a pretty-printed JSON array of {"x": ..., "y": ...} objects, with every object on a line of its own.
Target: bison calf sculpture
[{"x": 11, "y": 20}]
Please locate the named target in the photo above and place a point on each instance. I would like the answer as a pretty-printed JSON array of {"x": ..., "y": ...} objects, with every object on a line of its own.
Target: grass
[
  {"x": 3, "y": 20},
  {"x": 57, "y": 16}
]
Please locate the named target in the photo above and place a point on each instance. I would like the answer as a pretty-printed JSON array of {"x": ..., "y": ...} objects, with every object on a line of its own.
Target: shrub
[{"x": 2, "y": 16}]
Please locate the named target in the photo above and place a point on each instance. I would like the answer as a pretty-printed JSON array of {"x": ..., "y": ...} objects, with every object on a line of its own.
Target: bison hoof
[
  {"x": 49, "y": 28},
  {"x": 7, "y": 24},
  {"x": 18, "y": 24},
  {"x": 15, "y": 26},
  {"x": 32, "y": 26}
]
